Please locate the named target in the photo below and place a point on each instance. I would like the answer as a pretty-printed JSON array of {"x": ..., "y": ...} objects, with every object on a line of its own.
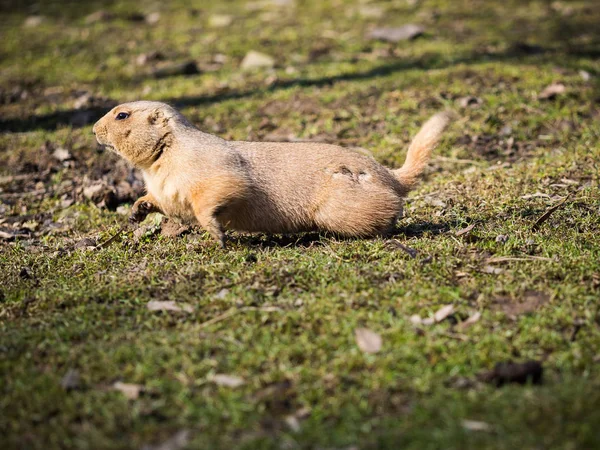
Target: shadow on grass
[
  {"x": 78, "y": 118},
  {"x": 317, "y": 239},
  {"x": 562, "y": 45}
]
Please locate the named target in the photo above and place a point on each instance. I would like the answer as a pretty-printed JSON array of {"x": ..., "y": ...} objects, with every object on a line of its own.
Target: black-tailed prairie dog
[{"x": 273, "y": 187}]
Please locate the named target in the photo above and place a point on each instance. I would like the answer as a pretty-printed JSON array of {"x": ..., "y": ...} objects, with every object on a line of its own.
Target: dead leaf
[
  {"x": 371, "y": 11},
  {"x": 131, "y": 391},
  {"x": 474, "y": 318},
  {"x": 397, "y": 34},
  {"x": 538, "y": 223},
  {"x": 231, "y": 381},
  {"x": 535, "y": 195},
  {"x": 368, "y": 341},
  {"x": 443, "y": 312},
  {"x": 70, "y": 380},
  {"x": 476, "y": 425},
  {"x": 293, "y": 420},
  {"x": 435, "y": 202},
  {"x": 9, "y": 236},
  {"x": 171, "y": 228},
  {"x": 464, "y": 230},
  {"x": 492, "y": 270},
  {"x": 168, "y": 305},
  {"x": 62, "y": 154},
  {"x": 85, "y": 243},
  {"x": 176, "y": 442},
  {"x": 33, "y": 21},
  {"x": 410, "y": 251},
  {"x": 98, "y": 16},
  {"x": 152, "y": 18},
  {"x": 552, "y": 91},
  {"x": 220, "y": 20}
]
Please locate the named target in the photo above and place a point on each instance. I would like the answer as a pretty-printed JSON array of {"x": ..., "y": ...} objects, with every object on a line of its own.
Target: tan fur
[{"x": 260, "y": 186}]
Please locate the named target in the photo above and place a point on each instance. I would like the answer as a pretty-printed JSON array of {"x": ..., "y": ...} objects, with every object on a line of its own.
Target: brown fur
[{"x": 260, "y": 186}]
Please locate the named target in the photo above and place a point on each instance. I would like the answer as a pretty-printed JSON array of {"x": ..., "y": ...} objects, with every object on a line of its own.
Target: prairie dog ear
[{"x": 157, "y": 117}]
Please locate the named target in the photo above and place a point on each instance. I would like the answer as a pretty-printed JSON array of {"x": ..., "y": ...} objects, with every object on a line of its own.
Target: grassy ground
[{"x": 278, "y": 312}]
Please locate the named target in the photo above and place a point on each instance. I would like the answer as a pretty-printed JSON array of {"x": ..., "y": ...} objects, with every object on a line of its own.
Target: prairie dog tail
[{"x": 420, "y": 149}]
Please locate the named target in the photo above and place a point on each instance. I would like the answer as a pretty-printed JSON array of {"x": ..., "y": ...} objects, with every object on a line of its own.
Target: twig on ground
[
  {"x": 548, "y": 213},
  {"x": 501, "y": 259},
  {"x": 112, "y": 238},
  {"x": 410, "y": 251},
  {"x": 234, "y": 311}
]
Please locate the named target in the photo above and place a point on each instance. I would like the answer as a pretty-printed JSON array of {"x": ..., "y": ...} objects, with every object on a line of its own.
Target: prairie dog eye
[{"x": 122, "y": 116}]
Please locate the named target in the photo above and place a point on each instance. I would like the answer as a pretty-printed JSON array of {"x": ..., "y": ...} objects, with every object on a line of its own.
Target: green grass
[{"x": 281, "y": 311}]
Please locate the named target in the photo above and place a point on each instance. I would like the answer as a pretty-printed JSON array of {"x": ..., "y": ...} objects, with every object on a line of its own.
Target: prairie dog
[{"x": 271, "y": 187}]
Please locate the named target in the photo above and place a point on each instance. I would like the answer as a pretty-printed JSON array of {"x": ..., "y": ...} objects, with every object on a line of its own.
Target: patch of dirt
[{"x": 526, "y": 303}]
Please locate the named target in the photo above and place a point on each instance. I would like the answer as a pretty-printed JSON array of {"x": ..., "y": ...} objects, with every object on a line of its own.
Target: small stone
[
  {"x": 62, "y": 154},
  {"x": 551, "y": 91},
  {"x": 403, "y": 33},
  {"x": 371, "y": 11},
  {"x": 33, "y": 21},
  {"x": 152, "y": 18},
  {"x": 585, "y": 75},
  {"x": 222, "y": 294},
  {"x": 254, "y": 59},
  {"x": 220, "y": 20},
  {"x": 501, "y": 238}
]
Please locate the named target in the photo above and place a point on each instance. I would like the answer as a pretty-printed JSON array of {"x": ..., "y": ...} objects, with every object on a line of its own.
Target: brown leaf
[
  {"x": 168, "y": 305},
  {"x": 98, "y": 16},
  {"x": 368, "y": 341},
  {"x": 552, "y": 91},
  {"x": 443, "y": 312},
  {"x": 474, "y": 318},
  {"x": 131, "y": 391},
  {"x": 544, "y": 217},
  {"x": 464, "y": 230},
  {"x": 492, "y": 270},
  {"x": 171, "y": 228},
  {"x": 231, "y": 381}
]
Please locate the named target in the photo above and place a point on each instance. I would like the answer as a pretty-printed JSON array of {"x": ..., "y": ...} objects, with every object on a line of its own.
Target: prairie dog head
[{"x": 138, "y": 131}]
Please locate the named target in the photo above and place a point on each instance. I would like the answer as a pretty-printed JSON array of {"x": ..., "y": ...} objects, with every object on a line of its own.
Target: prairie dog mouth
[{"x": 100, "y": 147}]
